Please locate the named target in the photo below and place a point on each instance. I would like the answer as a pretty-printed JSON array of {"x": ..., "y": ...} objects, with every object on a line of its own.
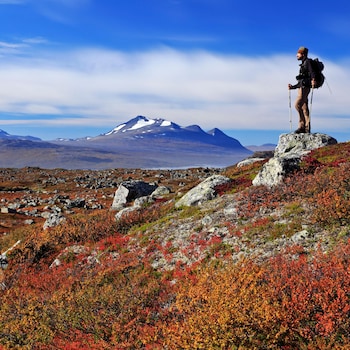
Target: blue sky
[{"x": 73, "y": 68}]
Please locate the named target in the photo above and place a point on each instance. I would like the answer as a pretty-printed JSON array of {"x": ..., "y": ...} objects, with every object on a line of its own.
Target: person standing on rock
[{"x": 306, "y": 81}]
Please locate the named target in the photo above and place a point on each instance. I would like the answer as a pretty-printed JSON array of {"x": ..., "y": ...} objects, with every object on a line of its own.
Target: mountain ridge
[
  {"x": 140, "y": 142},
  {"x": 142, "y": 127},
  {"x": 6, "y": 136}
]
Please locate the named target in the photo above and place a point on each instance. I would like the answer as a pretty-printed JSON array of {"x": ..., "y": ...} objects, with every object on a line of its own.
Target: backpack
[{"x": 317, "y": 67}]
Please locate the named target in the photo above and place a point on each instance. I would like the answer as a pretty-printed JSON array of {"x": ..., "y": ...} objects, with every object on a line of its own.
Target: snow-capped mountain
[
  {"x": 143, "y": 123},
  {"x": 148, "y": 130},
  {"x": 139, "y": 143}
]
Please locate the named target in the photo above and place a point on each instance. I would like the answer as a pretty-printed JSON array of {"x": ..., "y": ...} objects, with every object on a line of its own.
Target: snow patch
[
  {"x": 115, "y": 129},
  {"x": 142, "y": 123},
  {"x": 165, "y": 123}
]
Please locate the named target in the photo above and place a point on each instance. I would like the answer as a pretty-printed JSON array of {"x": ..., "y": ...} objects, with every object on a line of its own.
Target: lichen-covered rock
[
  {"x": 275, "y": 170},
  {"x": 53, "y": 219},
  {"x": 129, "y": 191},
  {"x": 249, "y": 161},
  {"x": 288, "y": 154},
  {"x": 203, "y": 192},
  {"x": 301, "y": 144},
  {"x": 160, "y": 192}
]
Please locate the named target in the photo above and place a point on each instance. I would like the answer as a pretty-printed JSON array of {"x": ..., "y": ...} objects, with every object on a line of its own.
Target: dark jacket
[{"x": 306, "y": 74}]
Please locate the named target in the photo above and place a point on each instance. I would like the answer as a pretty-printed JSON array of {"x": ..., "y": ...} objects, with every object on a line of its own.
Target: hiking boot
[{"x": 300, "y": 131}]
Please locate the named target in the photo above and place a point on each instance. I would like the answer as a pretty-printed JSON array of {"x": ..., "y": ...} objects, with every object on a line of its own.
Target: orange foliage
[
  {"x": 293, "y": 301},
  {"x": 288, "y": 303}
]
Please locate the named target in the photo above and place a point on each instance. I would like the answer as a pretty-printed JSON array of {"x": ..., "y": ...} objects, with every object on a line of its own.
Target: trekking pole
[
  {"x": 312, "y": 95},
  {"x": 290, "y": 111},
  {"x": 329, "y": 88}
]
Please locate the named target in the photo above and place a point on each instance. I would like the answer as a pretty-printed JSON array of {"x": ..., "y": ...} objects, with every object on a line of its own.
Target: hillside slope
[{"x": 256, "y": 267}]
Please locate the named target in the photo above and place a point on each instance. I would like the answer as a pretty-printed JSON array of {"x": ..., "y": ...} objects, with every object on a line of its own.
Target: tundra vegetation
[{"x": 254, "y": 268}]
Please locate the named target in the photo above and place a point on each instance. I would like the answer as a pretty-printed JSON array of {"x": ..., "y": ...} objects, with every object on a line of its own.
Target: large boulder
[
  {"x": 128, "y": 191},
  {"x": 203, "y": 192},
  {"x": 275, "y": 170},
  {"x": 291, "y": 145},
  {"x": 290, "y": 150}
]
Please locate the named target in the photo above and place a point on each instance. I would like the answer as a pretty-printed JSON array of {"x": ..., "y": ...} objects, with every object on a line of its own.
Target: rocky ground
[
  {"x": 45, "y": 198},
  {"x": 111, "y": 257},
  {"x": 33, "y": 195}
]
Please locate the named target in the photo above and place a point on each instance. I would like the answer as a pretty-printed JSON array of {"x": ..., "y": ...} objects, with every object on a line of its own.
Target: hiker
[{"x": 306, "y": 81}]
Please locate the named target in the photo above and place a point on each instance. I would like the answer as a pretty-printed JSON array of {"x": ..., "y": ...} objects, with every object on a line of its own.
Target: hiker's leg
[
  {"x": 307, "y": 124},
  {"x": 305, "y": 107},
  {"x": 299, "y": 107}
]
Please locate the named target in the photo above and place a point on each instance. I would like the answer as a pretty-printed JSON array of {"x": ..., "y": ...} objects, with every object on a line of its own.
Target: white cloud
[
  {"x": 10, "y": 50},
  {"x": 104, "y": 87},
  {"x": 35, "y": 41},
  {"x": 7, "y": 45}
]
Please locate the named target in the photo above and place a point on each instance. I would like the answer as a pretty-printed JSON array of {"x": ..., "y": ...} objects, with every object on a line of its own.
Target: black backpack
[{"x": 317, "y": 67}]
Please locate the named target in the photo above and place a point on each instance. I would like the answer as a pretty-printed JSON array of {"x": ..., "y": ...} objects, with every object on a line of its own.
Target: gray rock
[
  {"x": 129, "y": 191},
  {"x": 301, "y": 144},
  {"x": 76, "y": 203},
  {"x": 207, "y": 220},
  {"x": 274, "y": 171},
  {"x": 45, "y": 214},
  {"x": 7, "y": 210},
  {"x": 301, "y": 237},
  {"x": 53, "y": 220},
  {"x": 288, "y": 154},
  {"x": 3, "y": 262},
  {"x": 203, "y": 192},
  {"x": 29, "y": 222},
  {"x": 3, "y": 256},
  {"x": 138, "y": 203},
  {"x": 124, "y": 212},
  {"x": 160, "y": 192},
  {"x": 249, "y": 161},
  {"x": 142, "y": 201},
  {"x": 15, "y": 206}
]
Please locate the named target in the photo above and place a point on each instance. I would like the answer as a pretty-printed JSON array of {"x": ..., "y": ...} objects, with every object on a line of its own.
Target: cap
[{"x": 303, "y": 50}]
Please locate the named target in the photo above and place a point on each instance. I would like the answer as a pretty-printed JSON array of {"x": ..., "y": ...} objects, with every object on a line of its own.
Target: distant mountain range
[
  {"x": 139, "y": 143},
  {"x": 6, "y": 136}
]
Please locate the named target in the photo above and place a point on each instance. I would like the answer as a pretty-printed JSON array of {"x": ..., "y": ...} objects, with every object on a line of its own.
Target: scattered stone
[
  {"x": 249, "y": 161},
  {"x": 160, "y": 192},
  {"x": 124, "y": 211},
  {"x": 301, "y": 237},
  {"x": 29, "y": 222},
  {"x": 203, "y": 192},
  {"x": 207, "y": 220},
  {"x": 76, "y": 203},
  {"x": 6, "y": 210},
  {"x": 129, "y": 191},
  {"x": 69, "y": 253},
  {"x": 53, "y": 219},
  {"x": 3, "y": 256}
]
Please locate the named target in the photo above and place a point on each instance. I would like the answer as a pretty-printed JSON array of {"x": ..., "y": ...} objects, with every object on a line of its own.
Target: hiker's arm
[{"x": 292, "y": 87}]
